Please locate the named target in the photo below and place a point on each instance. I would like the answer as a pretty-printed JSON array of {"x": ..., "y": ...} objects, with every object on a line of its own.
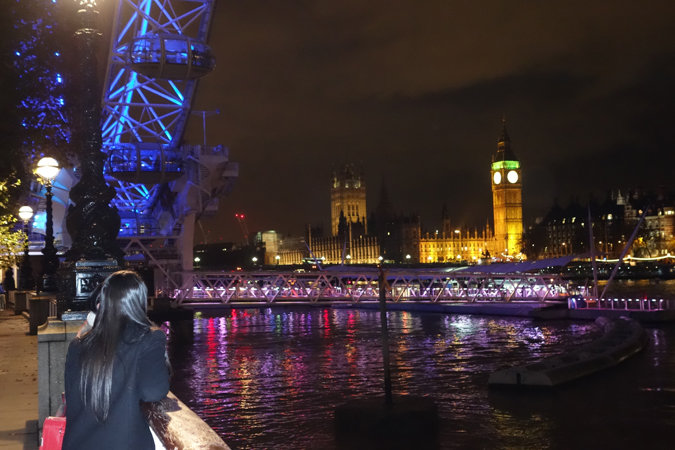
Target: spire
[
  {"x": 505, "y": 135},
  {"x": 504, "y": 150},
  {"x": 384, "y": 210},
  {"x": 444, "y": 214}
]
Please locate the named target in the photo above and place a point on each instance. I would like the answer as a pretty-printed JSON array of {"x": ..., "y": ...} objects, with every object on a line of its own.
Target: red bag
[{"x": 52, "y": 433}]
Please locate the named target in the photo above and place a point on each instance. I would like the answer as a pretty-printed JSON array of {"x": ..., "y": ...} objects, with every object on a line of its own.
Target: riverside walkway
[{"x": 18, "y": 384}]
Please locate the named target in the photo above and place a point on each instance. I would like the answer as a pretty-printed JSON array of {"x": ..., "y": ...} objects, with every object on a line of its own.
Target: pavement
[{"x": 18, "y": 384}]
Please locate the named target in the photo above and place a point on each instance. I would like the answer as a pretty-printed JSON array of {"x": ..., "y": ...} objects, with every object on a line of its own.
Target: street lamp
[
  {"x": 349, "y": 258},
  {"x": 407, "y": 258},
  {"x": 277, "y": 258},
  {"x": 26, "y": 281},
  {"x": 254, "y": 259},
  {"x": 47, "y": 170},
  {"x": 92, "y": 223}
]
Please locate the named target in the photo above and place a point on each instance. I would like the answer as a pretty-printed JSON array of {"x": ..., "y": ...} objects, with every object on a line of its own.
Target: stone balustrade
[{"x": 178, "y": 427}]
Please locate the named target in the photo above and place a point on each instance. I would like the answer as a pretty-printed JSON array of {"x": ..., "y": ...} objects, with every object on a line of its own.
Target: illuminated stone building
[
  {"x": 397, "y": 238},
  {"x": 392, "y": 238},
  {"x": 565, "y": 231},
  {"x": 457, "y": 245},
  {"x": 348, "y": 197},
  {"x": 507, "y": 201},
  {"x": 343, "y": 250},
  {"x": 461, "y": 245}
]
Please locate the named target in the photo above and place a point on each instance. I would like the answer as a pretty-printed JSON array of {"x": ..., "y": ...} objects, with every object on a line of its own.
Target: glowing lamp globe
[
  {"x": 48, "y": 168},
  {"x": 25, "y": 212}
]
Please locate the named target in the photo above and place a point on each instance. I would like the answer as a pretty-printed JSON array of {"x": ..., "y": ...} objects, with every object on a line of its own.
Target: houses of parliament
[{"x": 384, "y": 236}]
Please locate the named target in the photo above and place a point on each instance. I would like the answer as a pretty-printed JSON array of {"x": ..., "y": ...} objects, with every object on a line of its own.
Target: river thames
[{"x": 271, "y": 378}]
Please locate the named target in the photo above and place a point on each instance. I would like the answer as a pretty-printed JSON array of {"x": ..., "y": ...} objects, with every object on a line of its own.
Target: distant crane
[{"x": 242, "y": 225}]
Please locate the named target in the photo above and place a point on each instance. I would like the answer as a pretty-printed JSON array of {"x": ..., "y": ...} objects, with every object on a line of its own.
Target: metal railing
[
  {"x": 346, "y": 286},
  {"x": 634, "y": 304}
]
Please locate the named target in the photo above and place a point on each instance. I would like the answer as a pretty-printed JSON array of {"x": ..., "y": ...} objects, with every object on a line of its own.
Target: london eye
[{"x": 158, "y": 52}]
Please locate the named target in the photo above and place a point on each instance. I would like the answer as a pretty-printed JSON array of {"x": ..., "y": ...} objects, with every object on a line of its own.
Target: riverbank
[{"x": 18, "y": 384}]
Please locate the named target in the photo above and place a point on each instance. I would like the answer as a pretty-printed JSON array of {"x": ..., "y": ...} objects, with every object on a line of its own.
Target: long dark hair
[{"x": 122, "y": 302}]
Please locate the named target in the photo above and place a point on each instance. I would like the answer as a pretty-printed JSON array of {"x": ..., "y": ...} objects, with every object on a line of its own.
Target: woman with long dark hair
[{"x": 113, "y": 367}]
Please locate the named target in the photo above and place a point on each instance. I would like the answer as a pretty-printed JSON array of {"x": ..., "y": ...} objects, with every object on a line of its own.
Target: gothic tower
[
  {"x": 507, "y": 200},
  {"x": 347, "y": 196}
]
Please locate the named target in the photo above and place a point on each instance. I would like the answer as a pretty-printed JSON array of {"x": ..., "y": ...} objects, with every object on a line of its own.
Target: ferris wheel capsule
[
  {"x": 145, "y": 163},
  {"x": 170, "y": 56}
]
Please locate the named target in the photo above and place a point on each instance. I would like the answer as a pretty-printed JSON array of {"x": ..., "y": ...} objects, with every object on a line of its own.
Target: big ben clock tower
[{"x": 507, "y": 200}]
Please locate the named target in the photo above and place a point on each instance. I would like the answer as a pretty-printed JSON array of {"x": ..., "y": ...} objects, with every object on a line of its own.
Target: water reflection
[{"x": 271, "y": 378}]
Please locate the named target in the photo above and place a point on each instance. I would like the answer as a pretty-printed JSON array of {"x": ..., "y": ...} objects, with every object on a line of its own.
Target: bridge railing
[
  {"x": 347, "y": 286},
  {"x": 637, "y": 304}
]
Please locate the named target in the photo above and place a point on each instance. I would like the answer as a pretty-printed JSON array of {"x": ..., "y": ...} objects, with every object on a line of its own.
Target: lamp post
[
  {"x": 92, "y": 223},
  {"x": 26, "y": 281},
  {"x": 47, "y": 170},
  {"x": 277, "y": 258}
]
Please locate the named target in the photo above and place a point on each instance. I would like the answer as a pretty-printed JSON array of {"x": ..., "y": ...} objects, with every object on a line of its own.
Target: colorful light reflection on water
[{"x": 271, "y": 378}]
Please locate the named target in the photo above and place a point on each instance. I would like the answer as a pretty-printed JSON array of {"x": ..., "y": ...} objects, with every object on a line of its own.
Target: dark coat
[{"x": 139, "y": 373}]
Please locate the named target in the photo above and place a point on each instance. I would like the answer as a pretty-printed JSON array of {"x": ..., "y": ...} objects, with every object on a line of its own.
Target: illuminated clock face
[
  {"x": 512, "y": 176},
  {"x": 497, "y": 177}
]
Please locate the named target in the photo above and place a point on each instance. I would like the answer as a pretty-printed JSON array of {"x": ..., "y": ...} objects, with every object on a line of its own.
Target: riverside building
[{"x": 397, "y": 238}]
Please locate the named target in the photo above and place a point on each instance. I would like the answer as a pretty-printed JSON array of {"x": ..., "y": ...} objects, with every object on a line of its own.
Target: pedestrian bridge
[{"x": 350, "y": 286}]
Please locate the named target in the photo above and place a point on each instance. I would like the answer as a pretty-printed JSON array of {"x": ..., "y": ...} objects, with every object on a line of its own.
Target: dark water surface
[
  {"x": 655, "y": 288},
  {"x": 271, "y": 378}
]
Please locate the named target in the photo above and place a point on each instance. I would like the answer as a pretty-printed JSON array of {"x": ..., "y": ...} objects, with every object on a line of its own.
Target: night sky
[{"x": 415, "y": 91}]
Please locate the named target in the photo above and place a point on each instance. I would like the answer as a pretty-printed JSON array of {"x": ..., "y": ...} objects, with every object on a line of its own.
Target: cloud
[{"x": 416, "y": 90}]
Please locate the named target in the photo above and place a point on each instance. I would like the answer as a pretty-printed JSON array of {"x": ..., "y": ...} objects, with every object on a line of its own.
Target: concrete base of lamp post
[
  {"x": 77, "y": 280},
  {"x": 53, "y": 340},
  {"x": 39, "y": 312},
  {"x": 407, "y": 420},
  {"x": 21, "y": 299},
  {"x": 9, "y": 299}
]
